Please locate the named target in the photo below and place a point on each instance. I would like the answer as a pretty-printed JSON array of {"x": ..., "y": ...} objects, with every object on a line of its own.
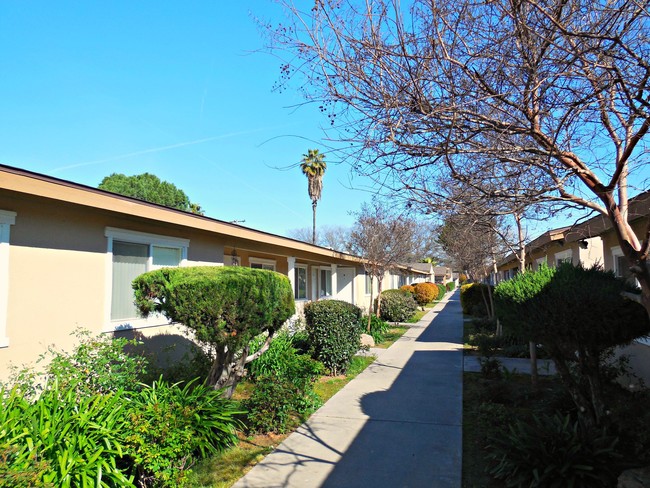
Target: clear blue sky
[{"x": 178, "y": 89}]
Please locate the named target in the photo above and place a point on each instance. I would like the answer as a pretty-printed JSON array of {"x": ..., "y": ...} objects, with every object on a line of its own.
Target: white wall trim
[
  {"x": 254, "y": 260},
  {"x": 7, "y": 219},
  {"x": 144, "y": 238}
]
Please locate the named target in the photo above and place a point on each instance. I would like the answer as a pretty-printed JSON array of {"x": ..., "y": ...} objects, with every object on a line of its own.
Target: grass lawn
[
  {"x": 391, "y": 336},
  {"x": 225, "y": 469}
]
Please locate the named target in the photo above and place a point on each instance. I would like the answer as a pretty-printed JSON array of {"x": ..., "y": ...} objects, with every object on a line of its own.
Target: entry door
[{"x": 344, "y": 284}]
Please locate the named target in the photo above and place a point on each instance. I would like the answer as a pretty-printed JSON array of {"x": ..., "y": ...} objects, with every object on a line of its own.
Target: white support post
[
  {"x": 335, "y": 290},
  {"x": 291, "y": 272}
]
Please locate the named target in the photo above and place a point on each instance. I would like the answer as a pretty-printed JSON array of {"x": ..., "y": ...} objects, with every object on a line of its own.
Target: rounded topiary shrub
[
  {"x": 334, "y": 332},
  {"x": 471, "y": 299},
  {"x": 425, "y": 293},
  {"x": 397, "y": 306}
]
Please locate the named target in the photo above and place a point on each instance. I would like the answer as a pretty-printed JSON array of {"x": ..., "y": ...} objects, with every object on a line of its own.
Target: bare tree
[
  {"x": 555, "y": 87},
  {"x": 335, "y": 237},
  {"x": 384, "y": 239}
]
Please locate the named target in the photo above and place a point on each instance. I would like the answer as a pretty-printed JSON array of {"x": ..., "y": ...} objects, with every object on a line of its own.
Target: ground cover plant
[{"x": 86, "y": 421}]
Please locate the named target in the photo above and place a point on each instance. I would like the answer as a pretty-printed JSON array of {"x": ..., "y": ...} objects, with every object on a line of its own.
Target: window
[
  {"x": 564, "y": 257},
  {"x": 325, "y": 283},
  {"x": 621, "y": 268},
  {"x": 300, "y": 291},
  {"x": 259, "y": 263},
  {"x": 7, "y": 219},
  {"x": 133, "y": 253},
  {"x": 539, "y": 262},
  {"x": 368, "y": 283}
]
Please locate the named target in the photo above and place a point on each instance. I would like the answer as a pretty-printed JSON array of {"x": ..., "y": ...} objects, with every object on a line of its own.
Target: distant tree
[
  {"x": 334, "y": 237},
  {"x": 384, "y": 239},
  {"x": 313, "y": 166},
  {"x": 151, "y": 189}
]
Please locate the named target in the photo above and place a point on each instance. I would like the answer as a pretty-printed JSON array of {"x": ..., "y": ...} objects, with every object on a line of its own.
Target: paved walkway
[{"x": 398, "y": 424}]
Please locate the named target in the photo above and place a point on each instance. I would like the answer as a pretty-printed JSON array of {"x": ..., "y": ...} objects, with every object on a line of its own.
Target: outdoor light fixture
[
  {"x": 583, "y": 244},
  {"x": 234, "y": 257}
]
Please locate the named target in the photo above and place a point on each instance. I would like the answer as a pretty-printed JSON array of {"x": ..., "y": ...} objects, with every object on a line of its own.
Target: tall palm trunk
[{"x": 313, "y": 234}]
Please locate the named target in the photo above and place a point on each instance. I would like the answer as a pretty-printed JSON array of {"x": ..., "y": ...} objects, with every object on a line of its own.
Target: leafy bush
[
  {"x": 98, "y": 364},
  {"x": 378, "y": 327},
  {"x": 425, "y": 293},
  {"x": 397, "y": 306},
  {"x": 451, "y": 286},
  {"x": 409, "y": 288},
  {"x": 169, "y": 426},
  {"x": 225, "y": 306},
  {"x": 553, "y": 452},
  {"x": 334, "y": 332},
  {"x": 472, "y": 299},
  {"x": 62, "y": 439}
]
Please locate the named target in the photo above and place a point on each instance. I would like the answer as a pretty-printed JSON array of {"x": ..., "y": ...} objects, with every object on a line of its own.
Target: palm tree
[{"x": 313, "y": 166}]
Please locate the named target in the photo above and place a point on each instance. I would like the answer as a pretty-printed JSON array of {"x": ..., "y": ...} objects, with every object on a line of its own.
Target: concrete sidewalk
[{"x": 398, "y": 424}]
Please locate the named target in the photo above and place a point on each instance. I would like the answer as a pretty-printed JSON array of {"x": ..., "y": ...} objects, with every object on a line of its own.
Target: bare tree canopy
[
  {"x": 555, "y": 90},
  {"x": 334, "y": 237}
]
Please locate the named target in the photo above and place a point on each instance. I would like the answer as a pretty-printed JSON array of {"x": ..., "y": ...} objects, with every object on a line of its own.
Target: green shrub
[
  {"x": 334, "y": 332},
  {"x": 472, "y": 299},
  {"x": 577, "y": 314},
  {"x": 98, "y": 364},
  {"x": 397, "y": 306},
  {"x": 451, "y": 286},
  {"x": 168, "y": 427},
  {"x": 442, "y": 289},
  {"x": 227, "y": 307},
  {"x": 425, "y": 293},
  {"x": 62, "y": 439},
  {"x": 553, "y": 452},
  {"x": 378, "y": 327}
]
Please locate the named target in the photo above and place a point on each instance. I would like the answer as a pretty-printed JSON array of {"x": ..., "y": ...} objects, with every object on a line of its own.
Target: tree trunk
[
  {"x": 313, "y": 233},
  {"x": 379, "y": 288},
  {"x": 370, "y": 306}
]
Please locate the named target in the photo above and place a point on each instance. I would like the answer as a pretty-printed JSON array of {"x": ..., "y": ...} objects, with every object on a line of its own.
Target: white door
[{"x": 344, "y": 284}]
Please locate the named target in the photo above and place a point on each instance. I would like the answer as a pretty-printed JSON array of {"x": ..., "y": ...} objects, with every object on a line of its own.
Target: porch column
[
  {"x": 291, "y": 273},
  {"x": 335, "y": 290}
]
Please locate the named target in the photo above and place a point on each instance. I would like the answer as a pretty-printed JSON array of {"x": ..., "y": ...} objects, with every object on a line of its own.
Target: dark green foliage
[
  {"x": 168, "y": 427},
  {"x": 334, "y": 332},
  {"x": 226, "y": 307},
  {"x": 378, "y": 327},
  {"x": 553, "y": 452},
  {"x": 472, "y": 299},
  {"x": 451, "y": 286},
  {"x": 576, "y": 314},
  {"x": 397, "y": 305},
  {"x": 149, "y": 188},
  {"x": 425, "y": 293},
  {"x": 284, "y": 382}
]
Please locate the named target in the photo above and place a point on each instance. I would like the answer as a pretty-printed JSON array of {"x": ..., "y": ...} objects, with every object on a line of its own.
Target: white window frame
[
  {"x": 563, "y": 256},
  {"x": 136, "y": 237},
  {"x": 320, "y": 289},
  {"x": 295, "y": 291},
  {"x": 7, "y": 219},
  {"x": 617, "y": 252},
  {"x": 262, "y": 261}
]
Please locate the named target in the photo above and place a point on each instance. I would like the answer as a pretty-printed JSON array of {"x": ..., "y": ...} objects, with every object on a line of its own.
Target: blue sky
[{"x": 178, "y": 89}]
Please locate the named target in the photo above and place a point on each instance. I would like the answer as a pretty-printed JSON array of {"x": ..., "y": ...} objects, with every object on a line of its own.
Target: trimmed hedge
[
  {"x": 334, "y": 332},
  {"x": 397, "y": 305},
  {"x": 451, "y": 286},
  {"x": 442, "y": 289},
  {"x": 471, "y": 299}
]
